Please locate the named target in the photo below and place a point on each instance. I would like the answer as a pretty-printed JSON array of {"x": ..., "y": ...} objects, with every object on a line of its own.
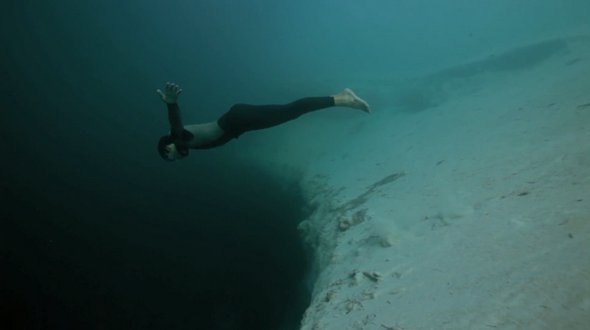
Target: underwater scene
[{"x": 284, "y": 165}]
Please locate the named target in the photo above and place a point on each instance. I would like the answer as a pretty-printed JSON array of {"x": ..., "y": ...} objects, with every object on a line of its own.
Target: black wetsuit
[{"x": 242, "y": 118}]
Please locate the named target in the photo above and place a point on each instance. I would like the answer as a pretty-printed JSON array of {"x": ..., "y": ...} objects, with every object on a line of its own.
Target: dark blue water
[
  {"x": 96, "y": 232},
  {"x": 137, "y": 255}
]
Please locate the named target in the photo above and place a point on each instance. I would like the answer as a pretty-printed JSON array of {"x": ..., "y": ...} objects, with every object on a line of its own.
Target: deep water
[
  {"x": 97, "y": 232},
  {"x": 219, "y": 252}
]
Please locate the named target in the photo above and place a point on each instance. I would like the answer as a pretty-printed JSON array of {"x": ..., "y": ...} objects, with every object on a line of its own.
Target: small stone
[
  {"x": 344, "y": 224},
  {"x": 373, "y": 276}
]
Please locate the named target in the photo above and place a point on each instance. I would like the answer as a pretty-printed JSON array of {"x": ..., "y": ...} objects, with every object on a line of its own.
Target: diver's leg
[
  {"x": 244, "y": 117},
  {"x": 347, "y": 98}
]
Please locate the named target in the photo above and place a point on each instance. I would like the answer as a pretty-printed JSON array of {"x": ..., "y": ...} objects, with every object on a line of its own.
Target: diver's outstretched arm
[{"x": 170, "y": 96}]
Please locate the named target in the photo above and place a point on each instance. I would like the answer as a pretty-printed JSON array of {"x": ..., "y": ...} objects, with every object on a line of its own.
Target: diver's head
[{"x": 168, "y": 149}]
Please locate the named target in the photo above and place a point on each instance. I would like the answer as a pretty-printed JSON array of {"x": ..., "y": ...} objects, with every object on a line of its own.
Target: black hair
[{"x": 164, "y": 141}]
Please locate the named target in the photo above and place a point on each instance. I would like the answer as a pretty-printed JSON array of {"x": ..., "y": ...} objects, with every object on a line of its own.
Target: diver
[{"x": 239, "y": 119}]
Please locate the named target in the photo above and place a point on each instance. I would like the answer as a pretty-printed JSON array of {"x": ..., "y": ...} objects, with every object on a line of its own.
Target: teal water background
[{"x": 97, "y": 232}]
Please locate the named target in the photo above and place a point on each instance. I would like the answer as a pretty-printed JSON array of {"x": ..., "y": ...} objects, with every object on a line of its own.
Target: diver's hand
[{"x": 170, "y": 93}]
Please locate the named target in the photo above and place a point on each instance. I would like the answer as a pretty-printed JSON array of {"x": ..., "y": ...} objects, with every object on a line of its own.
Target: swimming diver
[{"x": 239, "y": 119}]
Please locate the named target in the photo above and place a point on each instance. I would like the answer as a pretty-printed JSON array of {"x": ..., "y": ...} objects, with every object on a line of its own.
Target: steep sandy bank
[{"x": 473, "y": 213}]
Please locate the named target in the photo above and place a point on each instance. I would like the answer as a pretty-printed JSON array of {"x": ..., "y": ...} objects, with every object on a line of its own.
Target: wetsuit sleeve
[{"x": 176, "y": 128}]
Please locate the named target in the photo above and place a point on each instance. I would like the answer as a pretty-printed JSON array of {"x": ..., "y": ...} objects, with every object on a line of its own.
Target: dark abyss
[
  {"x": 96, "y": 231},
  {"x": 138, "y": 258}
]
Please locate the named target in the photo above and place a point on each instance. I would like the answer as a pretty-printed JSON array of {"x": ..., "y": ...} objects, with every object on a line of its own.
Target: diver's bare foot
[{"x": 347, "y": 98}]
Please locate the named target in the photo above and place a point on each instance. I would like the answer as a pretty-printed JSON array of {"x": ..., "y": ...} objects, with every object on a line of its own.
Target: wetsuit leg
[{"x": 245, "y": 117}]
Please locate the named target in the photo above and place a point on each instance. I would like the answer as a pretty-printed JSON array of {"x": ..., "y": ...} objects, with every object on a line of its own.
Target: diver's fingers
[
  {"x": 176, "y": 89},
  {"x": 159, "y": 92},
  {"x": 173, "y": 88}
]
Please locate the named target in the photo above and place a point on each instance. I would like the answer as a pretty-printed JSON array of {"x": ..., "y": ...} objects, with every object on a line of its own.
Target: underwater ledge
[{"x": 468, "y": 215}]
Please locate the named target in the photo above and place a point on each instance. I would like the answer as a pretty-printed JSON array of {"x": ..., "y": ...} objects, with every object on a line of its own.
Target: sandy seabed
[{"x": 473, "y": 213}]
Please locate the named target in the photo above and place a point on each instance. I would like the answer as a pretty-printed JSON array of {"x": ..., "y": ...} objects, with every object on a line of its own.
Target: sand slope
[{"x": 468, "y": 211}]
